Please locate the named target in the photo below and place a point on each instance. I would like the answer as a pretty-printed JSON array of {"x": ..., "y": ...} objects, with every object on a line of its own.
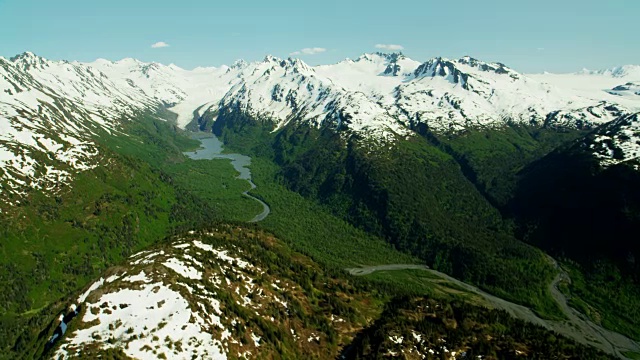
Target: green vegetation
[
  {"x": 215, "y": 182},
  {"x": 422, "y": 283},
  {"x": 568, "y": 205},
  {"x": 414, "y": 195},
  {"x": 492, "y": 158},
  {"x": 606, "y": 297},
  {"x": 139, "y": 193},
  {"x": 631, "y": 355},
  {"x": 312, "y": 230}
]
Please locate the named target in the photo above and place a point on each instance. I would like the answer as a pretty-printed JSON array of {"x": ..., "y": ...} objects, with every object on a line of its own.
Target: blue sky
[{"x": 530, "y": 36}]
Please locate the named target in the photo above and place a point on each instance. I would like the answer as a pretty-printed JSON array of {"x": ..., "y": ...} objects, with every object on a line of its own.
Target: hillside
[
  {"x": 581, "y": 202},
  {"x": 237, "y": 292},
  {"x": 467, "y": 166},
  {"x": 414, "y": 328},
  {"x": 226, "y": 292}
]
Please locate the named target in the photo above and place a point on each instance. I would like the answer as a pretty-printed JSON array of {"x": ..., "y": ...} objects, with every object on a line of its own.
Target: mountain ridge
[{"x": 380, "y": 97}]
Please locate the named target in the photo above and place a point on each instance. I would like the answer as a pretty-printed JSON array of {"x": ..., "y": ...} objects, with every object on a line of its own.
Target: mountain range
[
  {"x": 469, "y": 167},
  {"x": 53, "y": 107}
]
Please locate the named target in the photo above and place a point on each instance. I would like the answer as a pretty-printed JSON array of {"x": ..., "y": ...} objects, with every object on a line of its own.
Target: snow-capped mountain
[
  {"x": 455, "y": 94},
  {"x": 50, "y": 110},
  {"x": 286, "y": 90}
]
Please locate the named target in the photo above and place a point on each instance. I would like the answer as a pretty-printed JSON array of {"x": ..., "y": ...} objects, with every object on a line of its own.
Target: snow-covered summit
[
  {"x": 54, "y": 106},
  {"x": 28, "y": 60}
]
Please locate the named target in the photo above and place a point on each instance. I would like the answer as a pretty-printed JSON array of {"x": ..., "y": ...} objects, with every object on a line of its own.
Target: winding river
[
  {"x": 211, "y": 148},
  {"x": 577, "y": 326}
]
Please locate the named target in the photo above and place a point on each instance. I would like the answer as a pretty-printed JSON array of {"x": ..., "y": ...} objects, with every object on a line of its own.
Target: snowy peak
[
  {"x": 398, "y": 64},
  {"x": 386, "y": 64},
  {"x": 239, "y": 64},
  {"x": 291, "y": 64},
  {"x": 497, "y": 68},
  {"x": 443, "y": 68},
  {"x": 459, "y": 71},
  {"x": 377, "y": 57},
  {"x": 28, "y": 60}
]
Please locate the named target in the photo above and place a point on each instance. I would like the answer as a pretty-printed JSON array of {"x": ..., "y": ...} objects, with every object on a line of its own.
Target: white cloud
[
  {"x": 540, "y": 49},
  {"x": 160, "y": 44},
  {"x": 309, "y": 51},
  {"x": 390, "y": 47}
]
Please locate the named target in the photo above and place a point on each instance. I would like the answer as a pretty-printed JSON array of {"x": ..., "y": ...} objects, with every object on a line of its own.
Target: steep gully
[
  {"x": 577, "y": 326},
  {"x": 212, "y": 149}
]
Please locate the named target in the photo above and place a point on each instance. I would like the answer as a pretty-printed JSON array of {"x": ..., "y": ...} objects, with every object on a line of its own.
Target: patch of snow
[
  {"x": 141, "y": 276},
  {"x": 256, "y": 339},
  {"x": 180, "y": 268}
]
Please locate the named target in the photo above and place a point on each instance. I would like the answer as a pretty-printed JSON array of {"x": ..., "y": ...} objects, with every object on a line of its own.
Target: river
[
  {"x": 577, "y": 326},
  {"x": 212, "y": 148}
]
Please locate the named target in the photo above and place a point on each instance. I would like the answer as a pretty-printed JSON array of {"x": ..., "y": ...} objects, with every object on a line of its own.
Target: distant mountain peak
[
  {"x": 442, "y": 67},
  {"x": 498, "y": 68},
  {"x": 28, "y": 60},
  {"x": 457, "y": 74},
  {"x": 238, "y": 64},
  {"x": 377, "y": 56},
  {"x": 271, "y": 58},
  {"x": 130, "y": 62},
  {"x": 616, "y": 72},
  {"x": 27, "y": 55}
]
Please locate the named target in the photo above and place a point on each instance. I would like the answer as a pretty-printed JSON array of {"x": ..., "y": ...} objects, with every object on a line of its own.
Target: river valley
[{"x": 212, "y": 148}]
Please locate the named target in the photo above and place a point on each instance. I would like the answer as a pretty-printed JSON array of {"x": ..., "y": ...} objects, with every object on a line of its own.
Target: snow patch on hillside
[
  {"x": 618, "y": 141},
  {"x": 160, "y": 303}
]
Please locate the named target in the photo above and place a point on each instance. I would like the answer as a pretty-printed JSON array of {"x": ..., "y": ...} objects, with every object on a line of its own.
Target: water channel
[{"x": 211, "y": 148}]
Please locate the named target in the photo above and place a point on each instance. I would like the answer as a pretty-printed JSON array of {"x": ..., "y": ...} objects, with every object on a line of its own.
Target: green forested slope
[
  {"x": 413, "y": 194},
  {"x": 569, "y": 205},
  {"x": 138, "y": 194}
]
